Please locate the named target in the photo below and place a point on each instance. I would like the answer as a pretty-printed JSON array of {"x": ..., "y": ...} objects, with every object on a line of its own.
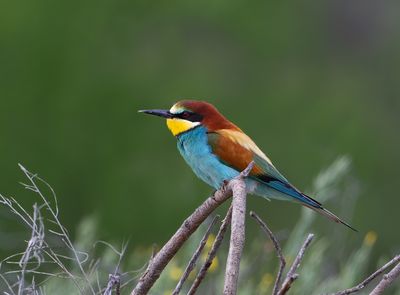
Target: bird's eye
[
  {"x": 185, "y": 115},
  {"x": 189, "y": 116}
]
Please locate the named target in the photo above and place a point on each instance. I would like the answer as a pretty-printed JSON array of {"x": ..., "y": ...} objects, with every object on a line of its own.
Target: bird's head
[{"x": 188, "y": 114}]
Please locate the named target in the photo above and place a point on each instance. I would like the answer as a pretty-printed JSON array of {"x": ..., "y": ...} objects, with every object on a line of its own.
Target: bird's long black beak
[{"x": 160, "y": 113}]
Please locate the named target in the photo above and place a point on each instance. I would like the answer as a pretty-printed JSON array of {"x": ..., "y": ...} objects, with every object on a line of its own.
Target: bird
[{"x": 217, "y": 150}]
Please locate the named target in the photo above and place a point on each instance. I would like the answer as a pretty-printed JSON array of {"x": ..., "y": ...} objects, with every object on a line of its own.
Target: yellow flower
[
  {"x": 214, "y": 264},
  {"x": 210, "y": 241},
  {"x": 168, "y": 292},
  {"x": 370, "y": 238},
  {"x": 266, "y": 281},
  {"x": 175, "y": 272}
]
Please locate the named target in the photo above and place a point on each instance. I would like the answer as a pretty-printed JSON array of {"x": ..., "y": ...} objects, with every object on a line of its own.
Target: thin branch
[
  {"x": 387, "y": 280},
  {"x": 247, "y": 171},
  {"x": 114, "y": 281},
  {"x": 195, "y": 257},
  {"x": 364, "y": 283},
  {"x": 212, "y": 253},
  {"x": 237, "y": 232},
  {"x": 278, "y": 249},
  {"x": 291, "y": 276},
  {"x": 54, "y": 213},
  {"x": 34, "y": 247},
  {"x": 7, "y": 284},
  {"x": 161, "y": 259},
  {"x": 167, "y": 252}
]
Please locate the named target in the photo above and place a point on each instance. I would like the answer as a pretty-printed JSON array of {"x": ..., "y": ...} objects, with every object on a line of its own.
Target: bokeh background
[{"x": 307, "y": 80}]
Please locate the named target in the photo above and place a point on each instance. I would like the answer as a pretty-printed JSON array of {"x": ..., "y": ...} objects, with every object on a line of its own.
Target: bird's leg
[
  {"x": 223, "y": 187},
  {"x": 225, "y": 182}
]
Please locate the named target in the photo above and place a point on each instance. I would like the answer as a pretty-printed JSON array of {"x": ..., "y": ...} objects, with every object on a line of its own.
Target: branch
[
  {"x": 278, "y": 249},
  {"x": 292, "y": 275},
  {"x": 237, "y": 232},
  {"x": 364, "y": 283},
  {"x": 193, "y": 260},
  {"x": 212, "y": 253},
  {"x": 114, "y": 281},
  {"x": 387, "y": 280},
  {"x": 167, "y": 252}
]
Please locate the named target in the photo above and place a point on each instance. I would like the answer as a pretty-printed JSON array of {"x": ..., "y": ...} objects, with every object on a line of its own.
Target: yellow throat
[{"x": 178, "y": 126}]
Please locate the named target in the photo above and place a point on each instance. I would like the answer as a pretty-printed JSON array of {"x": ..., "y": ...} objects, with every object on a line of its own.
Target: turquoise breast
[{"x": 194, "y": 148}]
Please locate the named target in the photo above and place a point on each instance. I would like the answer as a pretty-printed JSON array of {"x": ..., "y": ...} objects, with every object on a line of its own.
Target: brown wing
[{"x": 235, "y": 149}]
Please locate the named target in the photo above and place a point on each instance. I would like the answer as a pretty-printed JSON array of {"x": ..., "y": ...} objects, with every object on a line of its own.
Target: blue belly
[{"x": 194, "y": 148}]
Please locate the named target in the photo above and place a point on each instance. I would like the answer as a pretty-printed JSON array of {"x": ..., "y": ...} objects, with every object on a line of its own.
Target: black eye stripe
[
  {"x": 186, "y": 115},
  {"x": 190, "y": 116},
  {"x": 196, "y": 117}
]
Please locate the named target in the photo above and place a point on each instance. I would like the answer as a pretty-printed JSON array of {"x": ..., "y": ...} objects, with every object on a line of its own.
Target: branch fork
[{"x": 189, "y": 226}]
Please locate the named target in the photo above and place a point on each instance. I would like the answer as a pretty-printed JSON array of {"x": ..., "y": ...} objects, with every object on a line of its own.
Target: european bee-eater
[{"x": 218, "y": 150}]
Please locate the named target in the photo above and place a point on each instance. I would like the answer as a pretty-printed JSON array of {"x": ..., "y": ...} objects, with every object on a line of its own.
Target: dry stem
[
  {"x": 168, "y": 251},
  {"x": 237, "y": 232},
  {"x": 292, "y": 275},
  {"x": 212, "y": 253},
  {"x": 387, "y": 280},
  {"x": 364, "y": 283},
  {"x": 193, "y": 260},
  {"x": 278, "y": 249}
]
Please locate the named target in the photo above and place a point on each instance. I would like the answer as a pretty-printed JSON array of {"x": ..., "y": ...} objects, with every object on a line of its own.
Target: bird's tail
[
  {"x": 289, "y": 190},
  {"x": 329, "y": 214}
]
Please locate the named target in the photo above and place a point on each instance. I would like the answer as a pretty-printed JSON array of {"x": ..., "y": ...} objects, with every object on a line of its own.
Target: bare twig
[
  {"x": 34, "y": 224},
  {"x": 237, "y": 232},
  {"x": 34, "y": 247},
  {"x": 7, "y": 284},
  {"x": 193, "y": 260},
  {"x": 364, "y": 283},
  {"x": 161, "y": 259},
  {"x": 33, "y": 178},
  {"x": 114, "y": 281},
  {"x": 213, "y": 251},
  {"x": 278, "y": 249},
  {"x": 30, "y": 264},
  {"x": 387, "y": 280},
  {"x": 247, "y": 171},
  {"x": 292, "y": 275}
]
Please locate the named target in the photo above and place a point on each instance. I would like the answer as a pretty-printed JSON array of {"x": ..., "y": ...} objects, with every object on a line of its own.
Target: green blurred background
[{"x": 307, "y": 80}]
